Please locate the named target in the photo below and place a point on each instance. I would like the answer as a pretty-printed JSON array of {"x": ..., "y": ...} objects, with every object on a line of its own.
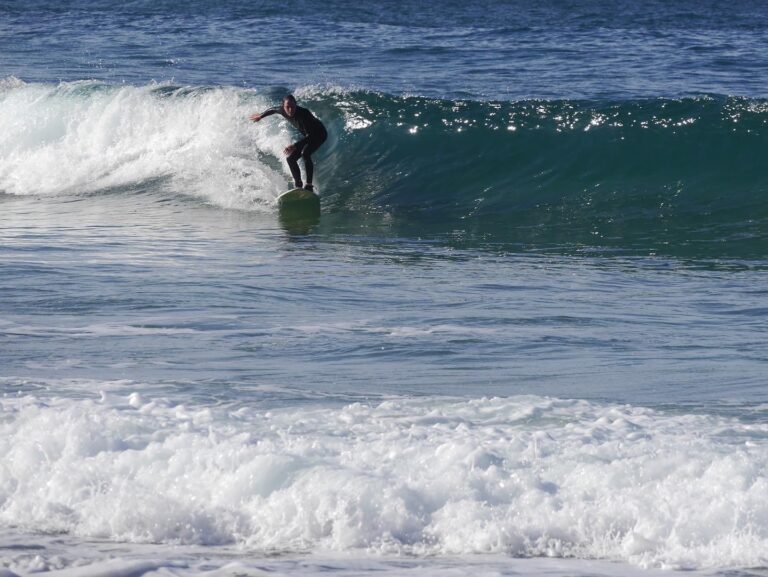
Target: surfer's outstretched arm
[{"x": 268, "y": 112}]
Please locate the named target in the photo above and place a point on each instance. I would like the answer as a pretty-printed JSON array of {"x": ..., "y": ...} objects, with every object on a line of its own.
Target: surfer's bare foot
[{"x": 309, "y": 186}]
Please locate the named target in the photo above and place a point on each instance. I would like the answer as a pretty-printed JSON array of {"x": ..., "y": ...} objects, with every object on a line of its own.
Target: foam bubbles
[
  {"x": 523, "y": 477},
  {"x": 82, "y": 137}
]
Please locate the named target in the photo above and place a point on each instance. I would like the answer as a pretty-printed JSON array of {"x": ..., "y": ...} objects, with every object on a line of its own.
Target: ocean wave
[
  {"x": 655, "y": 173},
  {"x": 525, "y": 476}
]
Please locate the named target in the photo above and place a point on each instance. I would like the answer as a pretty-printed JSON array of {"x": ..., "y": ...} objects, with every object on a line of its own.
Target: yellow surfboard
[{"x": 299, "y": 199}]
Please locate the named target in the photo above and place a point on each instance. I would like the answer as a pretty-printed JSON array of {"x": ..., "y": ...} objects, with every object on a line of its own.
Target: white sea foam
[
  {"x": 455, "y": 331},
  {"x": 94, "y": 330},
  {"x": 83, "y": 137},
  {"x": 524, "y": 476},
  {"x": 96, "y": 560}
]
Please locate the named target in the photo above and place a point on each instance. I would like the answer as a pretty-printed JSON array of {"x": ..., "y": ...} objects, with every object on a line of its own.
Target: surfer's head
[{"x": 289, "y": 105}]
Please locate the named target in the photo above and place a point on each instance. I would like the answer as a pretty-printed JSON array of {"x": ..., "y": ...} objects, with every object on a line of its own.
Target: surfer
[{"x": 310, "y": 127}]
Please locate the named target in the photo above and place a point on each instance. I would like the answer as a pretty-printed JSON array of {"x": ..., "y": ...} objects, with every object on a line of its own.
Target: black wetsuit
[{"x": 314, "y": 135}]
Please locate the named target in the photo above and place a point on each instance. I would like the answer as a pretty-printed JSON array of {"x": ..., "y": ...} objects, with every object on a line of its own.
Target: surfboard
[
  {"x": 298, "y": 206},
  {"x": 298, "y": 196}
]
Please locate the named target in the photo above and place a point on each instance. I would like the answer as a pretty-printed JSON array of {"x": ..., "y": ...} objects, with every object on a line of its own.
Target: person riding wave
[{"x": 310, "y": 127}]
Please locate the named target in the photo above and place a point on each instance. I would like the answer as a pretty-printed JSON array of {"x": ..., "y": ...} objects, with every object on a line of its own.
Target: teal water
[{"x": 676, "y": 177}]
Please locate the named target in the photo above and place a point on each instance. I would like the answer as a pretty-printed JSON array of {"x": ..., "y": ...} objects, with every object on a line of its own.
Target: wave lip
[{"x": 525, "y": 476}]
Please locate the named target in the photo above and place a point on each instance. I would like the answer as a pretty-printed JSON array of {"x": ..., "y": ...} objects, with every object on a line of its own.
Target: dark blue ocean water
[
  {"x": 487, "y": 50},
  {"x": 526, "y": 334}
]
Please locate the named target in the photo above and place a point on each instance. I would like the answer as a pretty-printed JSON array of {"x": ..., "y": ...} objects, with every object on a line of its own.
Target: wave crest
[{"x": 658, "y": 174}]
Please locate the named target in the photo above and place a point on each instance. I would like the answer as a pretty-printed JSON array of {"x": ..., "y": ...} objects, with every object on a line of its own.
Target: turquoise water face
[{"x": 680, "y": 178}]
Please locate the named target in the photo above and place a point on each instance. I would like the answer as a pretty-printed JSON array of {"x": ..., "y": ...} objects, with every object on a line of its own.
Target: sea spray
[{"x": 86, "y": 137}]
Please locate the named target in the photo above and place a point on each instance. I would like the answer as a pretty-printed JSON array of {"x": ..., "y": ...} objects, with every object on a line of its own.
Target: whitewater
[
  {"x": 523, "y": 476},
  {"x": 526, "y": 335}
]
